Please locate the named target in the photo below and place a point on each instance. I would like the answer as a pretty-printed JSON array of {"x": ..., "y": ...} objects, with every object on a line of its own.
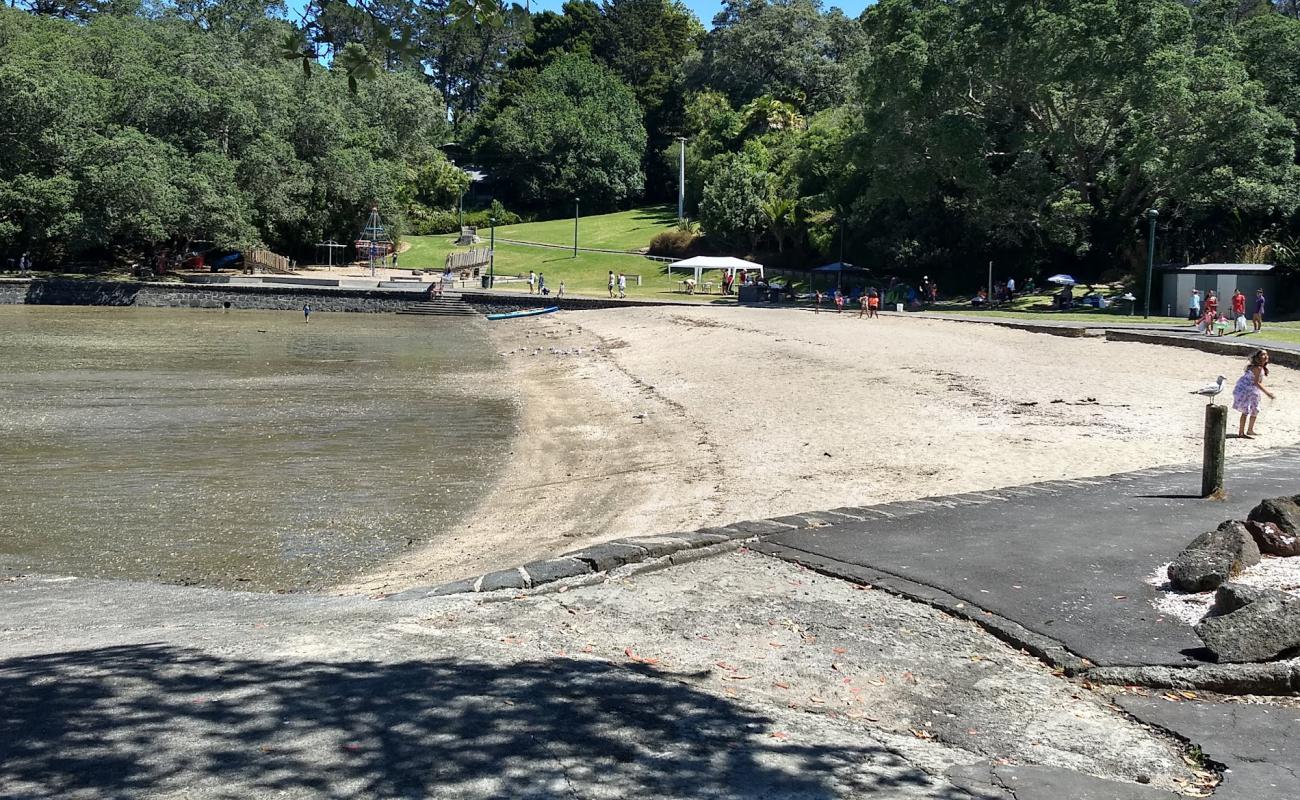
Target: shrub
[
  {"x": 674, "y": 244},
  {"x": 437, "y": 221}
]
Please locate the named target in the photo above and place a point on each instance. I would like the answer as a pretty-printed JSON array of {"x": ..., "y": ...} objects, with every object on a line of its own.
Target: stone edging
[
  {"x": 643, "y": 553},
  {"x": 1208, "y": 344},
  {"x": 610, "y": 555},
  {"x": 674, "y": 548}
]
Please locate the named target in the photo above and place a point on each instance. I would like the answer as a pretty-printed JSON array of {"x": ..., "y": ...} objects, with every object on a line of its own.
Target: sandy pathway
[{"x": 762, "y": 412}]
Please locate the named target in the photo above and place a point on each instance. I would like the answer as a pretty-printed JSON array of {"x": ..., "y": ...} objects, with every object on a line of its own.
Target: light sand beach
[{"x": 677, "y": 417}]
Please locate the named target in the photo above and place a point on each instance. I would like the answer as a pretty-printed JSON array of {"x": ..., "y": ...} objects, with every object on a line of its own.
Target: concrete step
[{"x": 442, "y": 307}]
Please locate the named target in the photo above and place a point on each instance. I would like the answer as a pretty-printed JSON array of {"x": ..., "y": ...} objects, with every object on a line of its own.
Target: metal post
[
  {"x": 681, "y": 180},
  {"x": 1152, "y": 214},
  {"x": 460, "y": 210},
  {"x": 575, "y": 227},
  {"x": 1216, "y": 428},
  {"x": 492, "y": 253},
  {"x": 990, "y": 283}
]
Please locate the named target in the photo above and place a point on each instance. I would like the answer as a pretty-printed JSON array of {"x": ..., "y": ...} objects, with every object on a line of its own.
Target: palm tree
[{"x": 780, "y": 215}]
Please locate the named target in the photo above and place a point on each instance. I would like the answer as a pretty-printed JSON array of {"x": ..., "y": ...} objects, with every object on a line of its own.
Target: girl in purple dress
[{"x": 1248, "y": 392}]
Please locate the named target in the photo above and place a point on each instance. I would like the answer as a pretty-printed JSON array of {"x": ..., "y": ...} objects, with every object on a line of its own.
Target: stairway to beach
[{"x": 445, "y": 306}]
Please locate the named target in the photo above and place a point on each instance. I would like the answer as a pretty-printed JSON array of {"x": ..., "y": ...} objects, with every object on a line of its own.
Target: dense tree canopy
[
  {"x": 926, "y": 135},
  {"x": 575, "y": 131}
]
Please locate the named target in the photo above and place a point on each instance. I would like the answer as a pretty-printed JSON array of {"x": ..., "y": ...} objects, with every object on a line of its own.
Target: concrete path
[
  {"x": 734, "y": 677},
  {"x": 1067, "y": 560},
  {"x": 1258, "y": 745}
]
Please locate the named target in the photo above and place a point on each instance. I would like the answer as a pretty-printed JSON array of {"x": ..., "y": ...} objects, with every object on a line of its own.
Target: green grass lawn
[
  {"x": 588, "y": 272},
  {"x": 623, "y": 230}
]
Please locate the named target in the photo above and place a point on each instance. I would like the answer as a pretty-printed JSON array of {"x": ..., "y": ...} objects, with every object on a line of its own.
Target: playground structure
[{"x": 375, "y": 247}]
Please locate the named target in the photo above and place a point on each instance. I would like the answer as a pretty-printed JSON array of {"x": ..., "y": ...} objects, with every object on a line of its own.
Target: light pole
[
  {"x": 492, "y": 253},
  {"x": 1152, "y": 215},
  {"x": 681, "y": 180},
  {"x": 575, "y": 227}
]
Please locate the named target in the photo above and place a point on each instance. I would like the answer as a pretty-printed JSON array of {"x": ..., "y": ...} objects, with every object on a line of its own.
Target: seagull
[
  {"x": 1211, "y": 390},
  {"x": 640, "y": 417}
]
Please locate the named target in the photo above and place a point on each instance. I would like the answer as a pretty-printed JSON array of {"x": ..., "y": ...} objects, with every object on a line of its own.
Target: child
[
  {"x": 1246, "y": 394},
  {"x": 873, "y": 305},
  {"x": 862, "y": 310},
  {"x": 306, "y": 313},
  {"x": 1221, "y": 325},
  {"x": 1207, "y": 322},
  {"x": 817, "y": 309},
  {"x": 839, "y": 302}
]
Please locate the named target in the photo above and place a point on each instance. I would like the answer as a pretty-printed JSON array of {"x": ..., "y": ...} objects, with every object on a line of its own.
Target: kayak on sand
[{"x": 532, "y": 312}]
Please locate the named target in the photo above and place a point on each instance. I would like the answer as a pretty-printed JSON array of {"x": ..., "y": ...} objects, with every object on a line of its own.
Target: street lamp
[
  {"x": 681, "y": 180},
  {"x": 492, "y": 253},
  {"x": 575, "y": 227},
  {"x": 1152, "y": 215}
]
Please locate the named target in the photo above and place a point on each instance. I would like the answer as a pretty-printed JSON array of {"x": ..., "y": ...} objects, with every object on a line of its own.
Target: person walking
[
  {"x": 24, "y": 263},
  {"x": 1194, "y": 307},
  {"x": 1212, "y": 304},
  {"x": 873, "y": 305},
  {"x": 862, "y": 306},
  {"x": 560, "y": 293},
  {"x": 306, "y": 313},
  {"x": 817, "y": 295},
  {"x": 1248, "y": 392},
  {"x": 1258, "y": 318},
  {"x": 541, "y": 283},
  {"x": 611, "y": 283},
  {"x": 1238, "y": 312},
  {"x": 622, "y": 286},
  {"x": 532, "y": 282}
]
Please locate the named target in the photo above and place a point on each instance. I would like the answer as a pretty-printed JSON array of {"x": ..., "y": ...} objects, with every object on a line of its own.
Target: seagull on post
[{"x": 1211, "y": 390}]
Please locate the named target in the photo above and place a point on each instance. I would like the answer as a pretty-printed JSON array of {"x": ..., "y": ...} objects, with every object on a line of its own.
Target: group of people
[
  {"x": 869, "y": 302},
  {"x": 24, "y": 264},
  {"x": 1210, "y": 319},
  {"x": 619, "y": 283},
  {"x": 1002, "y": 292}
]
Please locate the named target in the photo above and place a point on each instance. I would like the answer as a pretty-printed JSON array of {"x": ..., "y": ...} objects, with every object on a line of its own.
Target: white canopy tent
[{"x": 701, "y": 263}]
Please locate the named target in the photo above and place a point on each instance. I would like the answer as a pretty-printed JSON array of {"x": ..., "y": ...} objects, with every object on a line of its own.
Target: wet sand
[{"x": 684, "y": 417}]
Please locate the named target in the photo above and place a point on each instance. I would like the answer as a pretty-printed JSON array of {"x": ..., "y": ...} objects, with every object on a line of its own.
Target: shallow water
[{"x": 242, "y": 449}]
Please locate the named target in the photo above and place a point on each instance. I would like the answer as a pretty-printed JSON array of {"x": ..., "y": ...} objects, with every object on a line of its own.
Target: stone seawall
[
  {"x": 494, "y": 302},
  {"x": 194, "y": 295}
]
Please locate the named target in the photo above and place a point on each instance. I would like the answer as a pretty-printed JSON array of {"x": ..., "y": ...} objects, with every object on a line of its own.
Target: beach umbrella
[{"x": 1064, "y": 280}]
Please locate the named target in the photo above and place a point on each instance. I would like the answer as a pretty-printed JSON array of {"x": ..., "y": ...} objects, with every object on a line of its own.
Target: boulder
[
  {"x": 1232, "y": 596},
  {"x": 1213, "y": 558},
  {"x": 1284, "y": 512},
  {"x": 1266, "y": 627},
  {"x": 1273, "y": 540}
]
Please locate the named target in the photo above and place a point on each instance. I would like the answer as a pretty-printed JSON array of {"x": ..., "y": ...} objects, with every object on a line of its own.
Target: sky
[{"x": 705, "y": 9}]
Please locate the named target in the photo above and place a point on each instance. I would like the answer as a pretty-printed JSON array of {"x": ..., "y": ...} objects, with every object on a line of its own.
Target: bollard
[{"x": 1216, "y": 428}]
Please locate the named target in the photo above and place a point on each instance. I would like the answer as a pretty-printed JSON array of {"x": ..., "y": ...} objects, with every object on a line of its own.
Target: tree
[
  {"x": 1047, "y": 130},
  {"x": 576, "y": 131},
  {"x": 732, "y": 204},
  {"x": 786, "y": 49}
]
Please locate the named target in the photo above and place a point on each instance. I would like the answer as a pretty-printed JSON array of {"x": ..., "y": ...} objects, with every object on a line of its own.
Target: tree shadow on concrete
[{"x": 148, "y": 719}]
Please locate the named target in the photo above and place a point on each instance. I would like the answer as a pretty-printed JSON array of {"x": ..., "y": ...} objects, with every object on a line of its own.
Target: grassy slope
[{"x": 586, "y": 274}]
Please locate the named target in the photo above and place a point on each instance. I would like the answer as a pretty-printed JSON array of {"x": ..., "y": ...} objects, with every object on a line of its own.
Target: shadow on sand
[{"x": 150, "y": 719}]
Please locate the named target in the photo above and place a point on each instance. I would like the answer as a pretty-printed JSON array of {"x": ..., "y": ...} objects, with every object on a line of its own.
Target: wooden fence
[
  {"x": 475, "y": 257},
  {"x": 265, "y": 259}
]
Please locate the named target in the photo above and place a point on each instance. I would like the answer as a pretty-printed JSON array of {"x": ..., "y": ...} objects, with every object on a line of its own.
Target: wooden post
[{"x": 1216, "y": 428}]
